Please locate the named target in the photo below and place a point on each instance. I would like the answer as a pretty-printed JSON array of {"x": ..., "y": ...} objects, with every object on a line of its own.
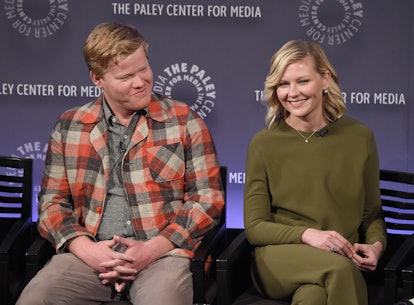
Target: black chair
[
  {"x": 202, "y": 264},
  {"x": 398, "y": 205},
  {"x": 408, "y": 282},
  {"x": 15, "y": 224},
  {"x": 384, "y": 286},
  {"x": 234, "y": 277}
]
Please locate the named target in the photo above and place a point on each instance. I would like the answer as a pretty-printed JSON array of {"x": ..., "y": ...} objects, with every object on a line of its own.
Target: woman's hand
[
  {"x": 366, "y": 257},
  {"x": 329, "y": 241}
]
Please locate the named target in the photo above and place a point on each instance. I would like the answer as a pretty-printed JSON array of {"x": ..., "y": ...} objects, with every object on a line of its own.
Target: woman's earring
[{"x": 325, "y": 91}]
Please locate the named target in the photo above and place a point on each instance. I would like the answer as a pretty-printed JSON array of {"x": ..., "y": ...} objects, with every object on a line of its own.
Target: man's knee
[
  {"x": 34, "y": 293},
  {"x": 167, "y": 281}
]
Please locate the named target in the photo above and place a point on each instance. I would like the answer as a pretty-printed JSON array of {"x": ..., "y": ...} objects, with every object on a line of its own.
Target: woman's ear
[{"x": 327, "y": 78}]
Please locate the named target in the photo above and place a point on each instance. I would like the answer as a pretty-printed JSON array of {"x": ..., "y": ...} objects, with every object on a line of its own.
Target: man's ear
[{"x": 95, "y": 79}]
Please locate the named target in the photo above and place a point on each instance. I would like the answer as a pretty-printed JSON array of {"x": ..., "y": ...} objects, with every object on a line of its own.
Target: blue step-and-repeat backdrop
[{"x": 214, "y": 56}]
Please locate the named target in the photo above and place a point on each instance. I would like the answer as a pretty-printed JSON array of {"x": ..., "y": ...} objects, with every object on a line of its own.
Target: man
[{"x": 131, "y": 185}]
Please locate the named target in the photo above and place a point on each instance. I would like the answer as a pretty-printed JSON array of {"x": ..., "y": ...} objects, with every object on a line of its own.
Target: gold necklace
[{"x": 306, "y": 138}]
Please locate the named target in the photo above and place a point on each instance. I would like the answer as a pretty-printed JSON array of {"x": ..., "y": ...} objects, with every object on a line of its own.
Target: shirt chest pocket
[{"x": 166, "y": 162}]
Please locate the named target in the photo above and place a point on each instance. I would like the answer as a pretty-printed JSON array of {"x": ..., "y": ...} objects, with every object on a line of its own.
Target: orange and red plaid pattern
[{"x": 171, "y": 176}]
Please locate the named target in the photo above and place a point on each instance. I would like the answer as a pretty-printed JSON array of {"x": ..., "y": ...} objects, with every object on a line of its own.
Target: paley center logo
[
  {"x": 331, "y": 22},
  {"x": 36, "y": 18},
  {"x": 188, "y": 83},
  {"x": 35, "y": 150}
]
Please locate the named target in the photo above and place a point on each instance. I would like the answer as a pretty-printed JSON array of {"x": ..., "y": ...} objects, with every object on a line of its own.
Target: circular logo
[
  {"x": 35, "y": 150},
  {"x": 36, "y": 18},
  {"x": 188, "y": 83},
  {"x": 331, "y": 22}
]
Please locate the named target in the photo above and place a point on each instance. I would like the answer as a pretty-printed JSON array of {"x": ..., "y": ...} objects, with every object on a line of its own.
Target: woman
[{"x": 312, "y": 204}]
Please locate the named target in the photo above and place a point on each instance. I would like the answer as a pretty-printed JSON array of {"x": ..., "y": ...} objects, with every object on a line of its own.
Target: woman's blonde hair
[
  {"x": 293, "y": 51},
  {"x": 111, "y": 42}
]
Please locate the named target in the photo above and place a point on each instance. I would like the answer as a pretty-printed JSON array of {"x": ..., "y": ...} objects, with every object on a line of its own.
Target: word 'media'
[
  {"x": 383, "y": 98},
  {"x": 186, "y": 10}
]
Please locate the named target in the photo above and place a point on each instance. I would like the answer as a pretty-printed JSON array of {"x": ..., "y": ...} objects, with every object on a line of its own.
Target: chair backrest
[
  {"x": 397, "y": 196},
  {"x": 203, "y": 263},
  {"x": 16, "y": 175}
]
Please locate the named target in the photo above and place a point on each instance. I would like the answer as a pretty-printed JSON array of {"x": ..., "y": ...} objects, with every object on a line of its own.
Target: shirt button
[
  {"x": 128, "y": 222},
  {"x": 98, "y": 209}
]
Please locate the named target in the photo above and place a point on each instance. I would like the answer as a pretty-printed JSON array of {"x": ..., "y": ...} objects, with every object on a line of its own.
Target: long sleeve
[
  {"x": 170, "y": 172},
  {"x": 329, "y": 183}
]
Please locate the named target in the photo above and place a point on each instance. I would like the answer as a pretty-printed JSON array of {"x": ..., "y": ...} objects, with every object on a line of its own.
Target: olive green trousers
[{"x": 307, "y": 275}]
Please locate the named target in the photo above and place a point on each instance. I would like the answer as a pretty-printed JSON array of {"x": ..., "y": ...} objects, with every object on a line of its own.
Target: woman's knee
[
  {"x": 310, "y": 294},
  {"x": 344, "y": 268}
]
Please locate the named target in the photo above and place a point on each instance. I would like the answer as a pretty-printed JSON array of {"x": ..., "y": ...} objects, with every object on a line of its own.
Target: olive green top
[{"x": 329, "y": 183}]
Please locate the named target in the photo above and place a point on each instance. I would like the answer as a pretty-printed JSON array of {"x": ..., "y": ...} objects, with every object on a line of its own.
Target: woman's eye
[{"x": 282, "y": 85}]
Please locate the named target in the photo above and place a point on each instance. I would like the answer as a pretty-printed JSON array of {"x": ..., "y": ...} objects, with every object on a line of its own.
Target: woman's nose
[{"x": 293, "y": 90}]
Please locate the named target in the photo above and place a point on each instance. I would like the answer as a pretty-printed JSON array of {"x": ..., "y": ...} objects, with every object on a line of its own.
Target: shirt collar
[{"x": 110, "y": 118}]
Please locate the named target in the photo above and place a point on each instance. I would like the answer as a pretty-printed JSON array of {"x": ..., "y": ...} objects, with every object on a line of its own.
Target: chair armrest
[
  {"x": 203, "y": 265},
  {"x": 208, "y": 245},
  {"x": 12, "y": 248},
  {"x": 233, "y": 267},
  {"x": 204, "y": 288},
  {"x": 400, "y": 257},
  {"x": 408, "y": 281},
  {"x": 398, "y": 260},
  {"x": 38, "y": 254},
  {"x": 19, "y": 234}
]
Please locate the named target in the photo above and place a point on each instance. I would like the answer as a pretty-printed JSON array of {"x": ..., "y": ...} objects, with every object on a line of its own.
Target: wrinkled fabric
[{"x": 171, "y": 176}]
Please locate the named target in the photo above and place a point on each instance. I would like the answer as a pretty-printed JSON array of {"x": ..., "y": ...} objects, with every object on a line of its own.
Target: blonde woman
[{"x": 312, "y": 204}]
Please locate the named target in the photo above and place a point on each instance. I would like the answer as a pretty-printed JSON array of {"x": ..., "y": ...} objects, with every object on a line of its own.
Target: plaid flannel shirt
[{"x": 171, "y": 176}]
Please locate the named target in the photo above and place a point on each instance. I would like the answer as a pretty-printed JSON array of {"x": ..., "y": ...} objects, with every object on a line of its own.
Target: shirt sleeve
[
  {"x": 373, "y": 226},
  {"x": 203, "y": 191},
  {"x": 57, "y": 220},
  {"x": 260, "y": 227}
]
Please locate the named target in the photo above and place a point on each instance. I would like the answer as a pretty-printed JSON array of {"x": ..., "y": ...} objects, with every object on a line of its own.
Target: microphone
[
  {"x": 142, "y": 112},
  {"x": 322, "y": 132},
  {"x": 128, "y": 133},
  {"x": 122, "y": 148},
  {"x": 112, "y": 120}
]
